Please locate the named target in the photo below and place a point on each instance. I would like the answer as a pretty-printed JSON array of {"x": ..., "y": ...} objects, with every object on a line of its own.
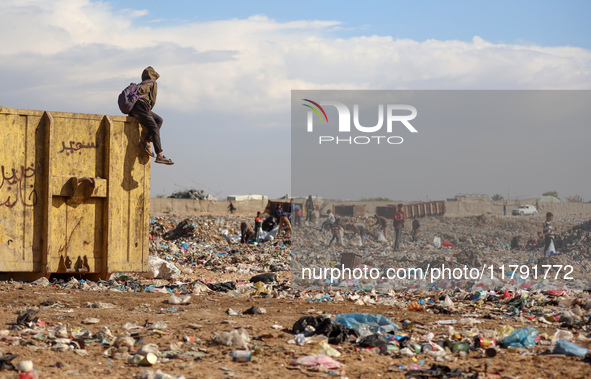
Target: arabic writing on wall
[
  {"x": 14, "y": 190},
  {"x": 75, "y": 146}
]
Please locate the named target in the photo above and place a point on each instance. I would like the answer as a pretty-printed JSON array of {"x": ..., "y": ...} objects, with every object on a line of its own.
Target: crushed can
[
  {"x": 414, "y": 347},
  {"x": 481, "y": 342},
  {"x": 149, "y": 360},
  {"x": 459, "y": 346},
  {"x": 426, "y": 347}
]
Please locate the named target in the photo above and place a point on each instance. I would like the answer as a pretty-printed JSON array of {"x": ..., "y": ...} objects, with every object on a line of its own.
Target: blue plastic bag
[
  {"x": 569, "y": 348},
  {"x": 376, "y": 323},
  {"x": 524, "y": 337}
]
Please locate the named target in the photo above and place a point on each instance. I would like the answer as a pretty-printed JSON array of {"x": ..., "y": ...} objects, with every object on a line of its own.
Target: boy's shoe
[
  {"x": 164, "y": 160},
  {"x": 147, "y": 149}
]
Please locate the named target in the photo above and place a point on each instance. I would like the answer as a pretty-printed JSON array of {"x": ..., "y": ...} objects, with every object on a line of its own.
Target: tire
[{"x": 521, "y": 213}]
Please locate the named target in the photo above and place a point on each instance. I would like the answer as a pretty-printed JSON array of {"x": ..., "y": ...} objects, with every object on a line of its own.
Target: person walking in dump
[
  {"x": 336, "y": 233},
  {"x": 549, "y": 248},
  {"x": 398, "y": 225},
  {"x": 142, "y": 110},
  {"x": 258, "y": 224},
  {"x": 309, "y": 205},
  {"x": 416, "y": 225}
]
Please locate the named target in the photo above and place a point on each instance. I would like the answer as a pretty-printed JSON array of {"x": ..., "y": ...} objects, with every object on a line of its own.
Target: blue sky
[
  {"x": 228, "y": 68},
  {"x": 544, "y": 22}
]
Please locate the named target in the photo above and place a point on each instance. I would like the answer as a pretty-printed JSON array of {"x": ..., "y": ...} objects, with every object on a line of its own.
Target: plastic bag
[
  {"x": 270, "y": 236},
  {"x": 324, "y": 348},
  {"x": 356, "y": 241},
  {"x": 524, "y": 337},
  {"x": 160, "y": 269},
  {"x": 317, "y": 360},
  {"x": 437, "y": 242},
  {"x": 569, "y": 348},
  {"x": 380, "y": 236},
  {"x": 236, "y": 337},
  {"x": 562, "y": 335},
  {"x": 551, "y": 250},
  {"x": 376, "y": 323}
]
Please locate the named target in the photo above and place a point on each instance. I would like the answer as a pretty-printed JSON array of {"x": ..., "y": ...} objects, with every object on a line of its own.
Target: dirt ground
[
  {"x": 209, "y": 311},
  {"x": 206, "y": 315}
]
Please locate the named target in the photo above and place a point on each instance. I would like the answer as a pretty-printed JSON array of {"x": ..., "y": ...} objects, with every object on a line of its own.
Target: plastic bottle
[
  {"x": 414, "y": 347},
  {"x": 241, "y": 355},
  {"x": 569, "y": 348}
]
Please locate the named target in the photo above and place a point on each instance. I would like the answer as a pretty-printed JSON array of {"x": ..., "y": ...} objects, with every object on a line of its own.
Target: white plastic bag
[
  {"x": 551, "y": 250},
  {"x": 356, "y": 241},
  {"x": 380, "y": 236},
  {"x": 160, "y": 269},
  {"x": 437, "y": 242}
]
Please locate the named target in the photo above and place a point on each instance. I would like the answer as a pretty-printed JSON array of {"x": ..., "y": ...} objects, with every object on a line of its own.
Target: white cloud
[{"x": 245, "y": 66}]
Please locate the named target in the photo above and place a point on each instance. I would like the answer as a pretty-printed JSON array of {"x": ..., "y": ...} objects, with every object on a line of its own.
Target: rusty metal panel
[
  {"x": 430, "y": 208},
  {"x": 74, "y": 193},
  {"x": 343, "y": 210},
  {"x": 359, "y": 210},
  {"x": 349, "y": 210},
  {"x": 386, "y": 211}
]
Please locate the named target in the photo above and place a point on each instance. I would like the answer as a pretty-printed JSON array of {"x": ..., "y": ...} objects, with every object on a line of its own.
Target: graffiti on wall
[
  {"x": 14, "y": 188},
  {"x": 75, "y": 146}
]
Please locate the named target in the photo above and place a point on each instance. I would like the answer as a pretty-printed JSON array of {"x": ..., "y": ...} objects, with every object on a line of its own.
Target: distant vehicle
[{"x": 525, "y": 210}]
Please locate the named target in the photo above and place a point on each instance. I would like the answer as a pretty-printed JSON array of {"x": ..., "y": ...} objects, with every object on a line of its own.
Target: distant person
[
  {"x": 516, "y": 242},
  {"x": 398, "y": 225},
  {"x": 336, "y": 233},
  {"x": 357, "y": 228},
  {"x": 531, "y": 243},
  {"x": 548, "y": 234},
  {"x": 298, "y": 215},
  {"x": 231, "y": 207},
  {"x": 295, "y": 216},
  {"x": 269, "y": 224},
  {"x": 282, "y": 219},
  {"x": 257, "y": 227},
  {"x": 142, "y": 110},
  {"x": 416, "y": 225},
  {"x": 246, "y": 232},
  {"x": 329, "y": 221},
  {"x": 504, "y": 210},
  {"x": 382, "y": 223},
  {"x": 309, "y": 205}
]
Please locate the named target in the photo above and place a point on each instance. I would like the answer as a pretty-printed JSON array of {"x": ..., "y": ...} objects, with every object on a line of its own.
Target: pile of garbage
[
  {"x": 213, "y": 243},
  {"x": 191, "y": 194},
  {"x": 481, "y": 243}
]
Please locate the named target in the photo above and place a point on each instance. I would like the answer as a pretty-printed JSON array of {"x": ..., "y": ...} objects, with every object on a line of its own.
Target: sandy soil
[{"x": 209, "y": 311}]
